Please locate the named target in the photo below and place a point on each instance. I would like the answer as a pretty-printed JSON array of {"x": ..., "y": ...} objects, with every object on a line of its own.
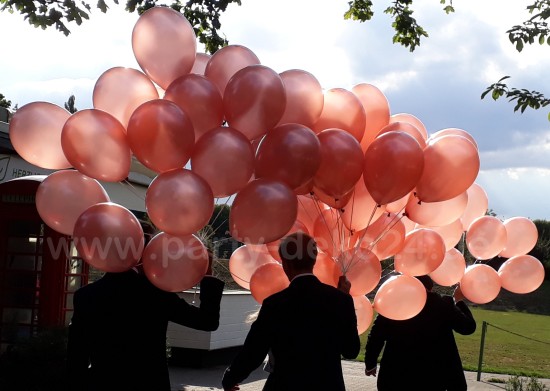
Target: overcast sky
[{"x": 440, "y": 83}]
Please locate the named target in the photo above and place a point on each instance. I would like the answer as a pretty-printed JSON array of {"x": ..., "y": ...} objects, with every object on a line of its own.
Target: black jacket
[
  {"x": 308, "y": 327},
  {"x": 119, "y": 329},
  {"x": 421, "y": 353}
]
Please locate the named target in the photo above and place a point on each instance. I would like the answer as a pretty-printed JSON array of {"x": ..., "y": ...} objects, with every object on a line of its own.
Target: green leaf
[
  {"x": 542, "y": 38},
  {"x": 485, "y": 93},
  {"x": 519, "y": 46},
  {"x": 549, "y": 116},
  {"x": 449, "y": 9}
]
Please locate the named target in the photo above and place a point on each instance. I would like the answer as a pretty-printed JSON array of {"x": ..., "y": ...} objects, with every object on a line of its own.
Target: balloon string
[
  {"x": 222, "y": 206},
  {"x": 356, "y": 247},
  {"x": 132, "y": 189},
  {"x": 351, "y": 217},
  {"x": 395, "y": 219},
  {"x": 322, "y": 215},
  {"x": 305, "y": 210}
]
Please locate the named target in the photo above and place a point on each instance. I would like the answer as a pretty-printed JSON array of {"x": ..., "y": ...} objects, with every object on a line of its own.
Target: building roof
[{"x": 5, "y": 143}]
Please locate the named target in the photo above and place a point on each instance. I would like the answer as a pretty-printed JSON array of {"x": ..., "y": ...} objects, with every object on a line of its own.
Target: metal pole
[{"x": 481, "y": 348}]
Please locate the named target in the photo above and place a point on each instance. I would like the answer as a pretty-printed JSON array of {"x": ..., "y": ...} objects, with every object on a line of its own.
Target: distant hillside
[{"x": 537, "y": 302}]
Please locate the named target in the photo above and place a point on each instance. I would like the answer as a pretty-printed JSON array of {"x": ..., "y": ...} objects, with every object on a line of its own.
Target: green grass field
[{"x": 505, "y": 352}]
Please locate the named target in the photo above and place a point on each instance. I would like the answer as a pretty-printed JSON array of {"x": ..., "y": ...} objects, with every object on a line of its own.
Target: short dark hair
[{"x": 300, "y": 249}]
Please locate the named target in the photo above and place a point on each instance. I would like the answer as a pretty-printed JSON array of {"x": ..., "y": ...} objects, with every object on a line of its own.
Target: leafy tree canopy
[
  {"x": 204, "y": 15},
  {"x": 4, "y": 102}
]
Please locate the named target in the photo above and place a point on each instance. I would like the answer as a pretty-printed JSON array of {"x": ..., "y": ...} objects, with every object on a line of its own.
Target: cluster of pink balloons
[{"x": 367, "y": 185}]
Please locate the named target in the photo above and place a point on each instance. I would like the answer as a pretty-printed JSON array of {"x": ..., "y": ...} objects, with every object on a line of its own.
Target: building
[{"x": 39, "y": 267}]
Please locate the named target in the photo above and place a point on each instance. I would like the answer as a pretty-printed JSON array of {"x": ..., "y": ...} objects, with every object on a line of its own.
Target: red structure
[{"x": 39, "y": 267}]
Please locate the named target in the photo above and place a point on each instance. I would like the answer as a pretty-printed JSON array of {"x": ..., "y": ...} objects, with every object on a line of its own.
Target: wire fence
[{"x": 532, "y": 356}]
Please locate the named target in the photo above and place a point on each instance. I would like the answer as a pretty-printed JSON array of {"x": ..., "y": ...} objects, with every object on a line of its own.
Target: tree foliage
[
  {"x": 204, "y": 16},
  {"x": 541, "y": 251},
  {"x": 4, "y": 102},
  {"x": 70, "y": 105},
  {"x": 534, "y": 29}
]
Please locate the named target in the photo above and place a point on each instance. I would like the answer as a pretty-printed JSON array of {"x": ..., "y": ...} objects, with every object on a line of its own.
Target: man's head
[{"x": 298, "y": 253}]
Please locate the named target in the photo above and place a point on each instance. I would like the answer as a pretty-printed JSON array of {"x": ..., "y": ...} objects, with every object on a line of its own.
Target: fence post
[{"x": 481, "y": 348}]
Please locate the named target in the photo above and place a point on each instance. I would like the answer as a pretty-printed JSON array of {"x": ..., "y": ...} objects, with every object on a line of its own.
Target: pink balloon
[
  {"x": 330, "y": 234},
  {"x": 400, "y": 297},
  {"x": 385, "y": 237},
  {"x": 377, "y": 111},
  {"x": 200, "y": 63},
  {"x": 455, "y": 131},
  {"x": 399, "y": 205},
  {"x": 521, "y": 237},
  {"x": 409, "y": 224},
  {"x": 486, "y": 237},
  {"x": 341, "y": 163},
  {"x": 161, "y": 135},
  {"x": 244, "y": 261},
  {"x": 164, "y": 44},
  {"x": 477, "y": 206},
  {"x": 254, "y": 100},
  {"x": 521, "y": 274},
  {"x": 267, "y": 280},
  {"x": 290, "y": 153},
  {"x": 393, "y": 165},
  {"x": 119, "y": 91},
  {"x": 109, "y": 237},
  {"x": 306, "y": 188},
  {"x": 175, "y": 263},
  {"x": 362, "y": 268},
  {"x": 480, "y": 283},
  {"x": 404, "y": 127},
  {"x": 226, "y": 62},
  {"x": 451, "y": 233},
  {"x": 224, "y": 157},
  {"x": 263, "y": 211},
  {"x": 361, "y": 210},
  {"x": 326, "y": 269},
  {"x": 451, "y": 270},
  {"x": 451, "y": 165},
  {"x": 35, "y": 133},
  {"x": 309, "y": 208},
  {"x": 304, "y": 98},
  {"x": 331, "y": 201},
  {"x": 364, "y": 313},
  {"x": 179, "y": 202},
  {"x": 200, "y": 100},
  {"x": 95, "y": 143},
  {"x": 437, "y": 214},
  {"x": 411, "y": 119},
  {"x": 422, "y": 253},
  {"x": 64, "y": 195},
  {"x": 342, "y": 110}
]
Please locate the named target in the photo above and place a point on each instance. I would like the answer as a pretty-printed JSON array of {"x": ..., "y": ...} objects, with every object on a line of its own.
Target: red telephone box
[{"x": 39, "y": 267}]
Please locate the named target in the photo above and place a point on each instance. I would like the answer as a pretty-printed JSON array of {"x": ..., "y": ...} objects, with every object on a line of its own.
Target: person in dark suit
[
  {"x": 421, "y": 353},
  {"x": 117, "y": 335},
  {"x": 308, "y": 327}
]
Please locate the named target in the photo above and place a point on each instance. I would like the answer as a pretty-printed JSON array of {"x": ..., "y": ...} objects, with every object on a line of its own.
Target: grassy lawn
[{"x": 505, "y": 352}]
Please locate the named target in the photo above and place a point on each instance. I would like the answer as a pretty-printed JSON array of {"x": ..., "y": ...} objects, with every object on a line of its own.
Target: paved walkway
[{"x": 209, "y": 379}]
